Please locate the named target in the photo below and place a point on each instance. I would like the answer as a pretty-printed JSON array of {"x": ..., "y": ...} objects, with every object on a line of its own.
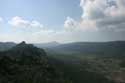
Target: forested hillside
[{"x": 25, "y": 63}]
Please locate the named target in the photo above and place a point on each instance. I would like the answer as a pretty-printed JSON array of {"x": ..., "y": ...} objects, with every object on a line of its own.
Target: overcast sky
[{"x": 37, "y": 21}]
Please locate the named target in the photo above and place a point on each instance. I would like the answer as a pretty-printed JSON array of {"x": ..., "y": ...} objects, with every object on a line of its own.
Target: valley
[{"x": 84, "y": 62}]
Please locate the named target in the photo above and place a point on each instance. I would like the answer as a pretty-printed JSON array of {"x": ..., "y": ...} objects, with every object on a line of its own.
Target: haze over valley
[{"x": 62, "y": 41}]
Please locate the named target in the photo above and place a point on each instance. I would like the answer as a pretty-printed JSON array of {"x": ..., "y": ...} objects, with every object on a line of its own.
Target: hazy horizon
[{"x": 63, "y": 21}]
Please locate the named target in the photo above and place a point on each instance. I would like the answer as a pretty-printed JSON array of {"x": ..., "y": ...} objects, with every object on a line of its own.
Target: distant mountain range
[
  {"x": 113, "y": 48},
  {"x": 103, "y": 48},
  {"x": 6, "y": 45},
  {"x": 62, "y": 63},
  {"x": 47, "y": 45}
]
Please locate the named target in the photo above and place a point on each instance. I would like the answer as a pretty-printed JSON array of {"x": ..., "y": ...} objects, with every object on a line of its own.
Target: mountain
[
  {"x": 64, "y": 63},
  {"x": 6, "y": 45},
  {"x": 47, "y": 45},
  {"x": 114, "y": 47},
  {"x": 91, "y": 62},
  {"x": 25, "y": 63}
]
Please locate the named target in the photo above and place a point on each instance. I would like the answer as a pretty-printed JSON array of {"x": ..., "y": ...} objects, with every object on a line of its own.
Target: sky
[{"x": 39, "y": 21}]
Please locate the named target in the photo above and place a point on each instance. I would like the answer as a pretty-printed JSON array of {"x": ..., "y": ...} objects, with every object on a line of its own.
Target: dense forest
[
  {"x": 25, "y": 63},
  {"x": 81, "y": 62}
]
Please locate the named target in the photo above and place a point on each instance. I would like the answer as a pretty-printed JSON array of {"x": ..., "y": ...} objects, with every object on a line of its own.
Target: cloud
[
  {"x": 19, "y": 22},
  {"x": 101, "y": 20},
  {"x": 84, "y": 25},
  {"x": 1, "y": 19},
  {"x": 93, "y": 9},
  {"x": 70, "y": 23},
  {"x": 120, "y": 3},
  {"x": 99, "y": 15}
]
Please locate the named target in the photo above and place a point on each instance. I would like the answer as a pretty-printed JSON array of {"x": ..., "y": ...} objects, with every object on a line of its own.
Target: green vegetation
[
  {"x": 6, "y": 45},
  {"x": 90, "y": 62},
  {"x": 80, "y": 69},
  {"x": 67, "y": 63},
  {"x": 25, "y": 63}
]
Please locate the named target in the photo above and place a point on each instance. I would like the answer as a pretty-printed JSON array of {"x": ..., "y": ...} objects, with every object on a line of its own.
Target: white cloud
[
  {"x": 120, "y": 3},
  {"x": 99, "y": 21},
  {"x": 19, "y": 22},
  {"x": 70, "y": 24},
  {"x": 36, "y": 24},
  {"x": 1, "y": 19},
  {"x": 93, "y": 9},
  {"x": 99, "y": 15},
  {"x": 84, "y": 25}
]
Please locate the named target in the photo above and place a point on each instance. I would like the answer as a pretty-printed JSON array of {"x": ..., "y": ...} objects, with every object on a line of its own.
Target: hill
[
  {"x": 6, "y": 45},
  {"x": 100, "y": 48},
  {"x": 90, "y": 62},
  {"x": 25, "y": 63},
  {"x": 47, "y": 45}
]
